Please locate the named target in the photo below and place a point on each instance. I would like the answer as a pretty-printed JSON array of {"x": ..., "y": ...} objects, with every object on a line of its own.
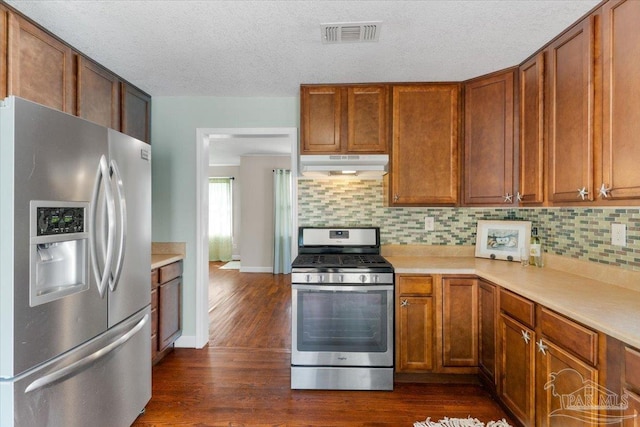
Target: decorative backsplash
[{"x": 582, "y": 233}]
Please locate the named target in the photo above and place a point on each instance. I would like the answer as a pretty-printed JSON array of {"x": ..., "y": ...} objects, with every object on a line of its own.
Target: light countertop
[
  {"x": 613, "y": 309},
  {"x": 164, "y": 253}
]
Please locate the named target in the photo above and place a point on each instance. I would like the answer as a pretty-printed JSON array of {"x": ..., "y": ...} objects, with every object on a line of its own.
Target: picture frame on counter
[{"x": 503, "y": 240}]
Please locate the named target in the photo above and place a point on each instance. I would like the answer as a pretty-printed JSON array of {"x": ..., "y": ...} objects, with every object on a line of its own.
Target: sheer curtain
[
  {"x": 282, "y": 221},
  {"x": 220, "y": 219}
]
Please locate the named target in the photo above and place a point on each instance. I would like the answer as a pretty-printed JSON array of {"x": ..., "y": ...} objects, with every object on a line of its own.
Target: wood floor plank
[{"x": 243, "y": 377}]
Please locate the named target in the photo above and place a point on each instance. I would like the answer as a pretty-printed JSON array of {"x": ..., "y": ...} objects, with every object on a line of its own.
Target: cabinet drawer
[
  {"x": 573, "y": 337},
  {"x": 170, "y": 272},
  {"x": 518, "y": 307},
  {"x": 632, "y": 367},
  {"x": 154, "y": 278},
  {"x": 415, "y": 285}
]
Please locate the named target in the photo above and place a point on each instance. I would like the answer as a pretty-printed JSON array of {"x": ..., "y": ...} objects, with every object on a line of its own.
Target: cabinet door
[
  {"x": 460, "y": 322},
  {"x": 40, "y": 66},
  {"x": 517, "y": 369},
  {"x": 169, "y": 312},
  {"x": 415, "y": 342},
  {"x": 570, "y": 133},
  {"x": 488, "y": 140},
  {"x": 367, "y": 119},
  {"x": 4, "y": 25},
  {"x": 321, "y": 121},
  {"x": 531, "y": 131},
  {"x": 567, "y": 389},
  {"x": 488, "y": 326},
  {"x": 632, "y": 413},
  {"x": 136, "y": 113},
  {"x": 621, "y": 100},
  {"x": 98, "y": 94},
  {"x": 424, "y": 151}
]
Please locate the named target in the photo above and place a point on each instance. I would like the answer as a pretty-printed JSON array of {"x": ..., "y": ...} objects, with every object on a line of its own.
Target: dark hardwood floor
[{"x": 242, "y": 377}]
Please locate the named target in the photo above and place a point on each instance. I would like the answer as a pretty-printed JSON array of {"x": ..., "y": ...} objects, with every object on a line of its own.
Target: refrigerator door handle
[
  {"x": 102, "y": 174},
  {"x": 117, "y": 178},
  {"x": 83, "y": 363}
]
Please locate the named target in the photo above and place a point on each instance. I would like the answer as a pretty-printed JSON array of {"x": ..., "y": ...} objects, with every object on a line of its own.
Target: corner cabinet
[
  {"x": 531, "y": 183},
  {"x": 166, "y": 297},
  {"x": 489, "y": 140},
  {"x": 424, "y": 145},
  {"x": 344, "y": 119}
]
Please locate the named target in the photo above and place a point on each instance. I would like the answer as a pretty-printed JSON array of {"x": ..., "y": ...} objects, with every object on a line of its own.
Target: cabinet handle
[
  {"x": 404, "y": 303},
  {"x": 396, "y": 197},
  {"x": 519, "y": 197},
  {"x": 542, "y": 347},
  {"x": 526, "y": 336},
  {"x": 604, "y": 191},
  {"x": 508, "y": 198},
  {"x": 583, "y": 192}
]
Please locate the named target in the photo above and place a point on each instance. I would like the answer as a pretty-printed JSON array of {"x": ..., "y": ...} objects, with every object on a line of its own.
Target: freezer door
[
  {"x": 130, "y": 166},
  {"x": 55, "y": 158},
  {"x": 105, "y": 382}
]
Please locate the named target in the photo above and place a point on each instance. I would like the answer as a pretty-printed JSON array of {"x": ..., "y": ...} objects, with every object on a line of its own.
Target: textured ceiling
[{"x": 268, "y": 48}]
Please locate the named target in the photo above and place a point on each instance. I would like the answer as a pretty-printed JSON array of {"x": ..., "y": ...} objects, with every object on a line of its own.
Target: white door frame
[{"x": 202, "y": 214}]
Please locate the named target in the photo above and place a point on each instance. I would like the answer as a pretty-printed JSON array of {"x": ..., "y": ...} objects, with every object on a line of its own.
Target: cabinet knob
[
  {"x": 526, "y": 336},
  {"x": 404, "y": 303},
  {"x": 604, "y": 191},
  {"x": 542, "y": 347},
  {"x": 508, "y": 198},
  {"x": 583, "y": 192},
  {"x": 396, "y": 197},
  {"x": 519, "y": 197}
]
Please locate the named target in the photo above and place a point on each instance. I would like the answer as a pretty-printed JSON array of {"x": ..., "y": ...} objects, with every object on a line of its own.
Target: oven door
[{"x": 342, "y": 325}]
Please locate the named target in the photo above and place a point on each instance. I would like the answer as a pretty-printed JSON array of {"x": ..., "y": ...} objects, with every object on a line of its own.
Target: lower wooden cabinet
[
  {"x": 166, "y": 296},
  {"x": 459, "y": 322},
  {"x": 517, "y": 369},
  {"x": 415, "y": 323},
  {"x": 487, "y": 332}
]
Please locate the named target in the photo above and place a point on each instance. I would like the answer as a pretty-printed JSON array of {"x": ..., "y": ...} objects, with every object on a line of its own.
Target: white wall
[
  {"x": 174, "y": 121},
  {"x": 236, "y": 191},
  {"x": 256, "y": 239}
]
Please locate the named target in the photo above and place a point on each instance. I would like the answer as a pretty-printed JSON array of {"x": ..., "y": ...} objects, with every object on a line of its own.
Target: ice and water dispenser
[{"x": 59, "y": 250}]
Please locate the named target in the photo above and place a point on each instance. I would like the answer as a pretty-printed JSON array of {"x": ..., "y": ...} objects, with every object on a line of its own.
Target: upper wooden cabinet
[
  {"x": 424, "y": 148},
  {"x": 571, "y": 114},
  {"x": 40, "y": 67},
  {"x": 4, "y": 25},
  {"x": 136, "y": 113},
  {"x": 98, "y": 94},
  {"x": 531, "y": 183},
  {"x": 489, "y": 140},
  {"x": 621, "y": 101},
  {"x": 344, "y": 119}
]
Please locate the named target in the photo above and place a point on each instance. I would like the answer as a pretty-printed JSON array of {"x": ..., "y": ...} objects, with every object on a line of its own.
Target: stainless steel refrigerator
[{"x": 75, "y": 259}]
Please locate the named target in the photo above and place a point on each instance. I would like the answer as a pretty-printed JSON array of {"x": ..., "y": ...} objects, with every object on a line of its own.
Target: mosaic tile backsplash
[{"x": 582, "y": 233}]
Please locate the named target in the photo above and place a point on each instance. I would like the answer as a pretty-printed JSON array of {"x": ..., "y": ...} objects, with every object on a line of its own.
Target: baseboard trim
[{"x": 189, "y": 341}]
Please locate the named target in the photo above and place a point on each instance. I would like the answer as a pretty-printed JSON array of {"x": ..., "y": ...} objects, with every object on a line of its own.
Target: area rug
[
  {"x": 233, "y": 265},
  {"x": 460, "y": 422}
]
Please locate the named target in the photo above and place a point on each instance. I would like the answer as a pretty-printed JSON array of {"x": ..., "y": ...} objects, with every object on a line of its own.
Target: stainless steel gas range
[{"x": 342, "y": 311}]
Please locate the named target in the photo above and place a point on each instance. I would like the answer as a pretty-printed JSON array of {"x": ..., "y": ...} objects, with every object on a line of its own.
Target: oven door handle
[{"x": 341, "y": 288}]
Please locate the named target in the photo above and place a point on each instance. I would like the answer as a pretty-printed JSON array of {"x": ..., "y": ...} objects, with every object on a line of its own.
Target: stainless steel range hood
[{"x": 362, "y": 166}]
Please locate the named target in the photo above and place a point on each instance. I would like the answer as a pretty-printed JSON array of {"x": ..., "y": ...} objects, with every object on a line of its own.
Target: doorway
[{"x": 216, "y": 143}]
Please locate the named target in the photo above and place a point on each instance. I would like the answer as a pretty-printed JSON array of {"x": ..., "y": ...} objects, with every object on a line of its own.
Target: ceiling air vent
[{"x": 351, "y": 32}]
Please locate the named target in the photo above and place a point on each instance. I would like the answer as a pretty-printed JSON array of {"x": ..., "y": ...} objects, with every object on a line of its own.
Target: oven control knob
[
  {"x": 363, "y": 278},
  {"x": 308, "y": 278},
  {"x": 341, "y": 278},
  {"x": 320, "y": 278},
  {"x": 375, "y": 278}
]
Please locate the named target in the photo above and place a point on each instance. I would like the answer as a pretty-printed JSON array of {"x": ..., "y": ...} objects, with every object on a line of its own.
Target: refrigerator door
[
  {"x": 103, "y": 383},
  {"x": 130, "y": 167},
  {"x": 48, "y": 156}
]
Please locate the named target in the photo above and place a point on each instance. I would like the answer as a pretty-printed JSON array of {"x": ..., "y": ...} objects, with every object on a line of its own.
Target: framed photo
[{"x": 505, "y": 240}]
